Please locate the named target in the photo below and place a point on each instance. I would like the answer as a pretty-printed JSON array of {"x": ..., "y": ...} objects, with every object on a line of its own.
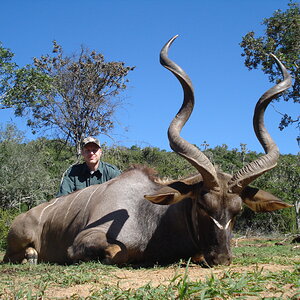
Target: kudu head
[{"x": 218, "y": 197}]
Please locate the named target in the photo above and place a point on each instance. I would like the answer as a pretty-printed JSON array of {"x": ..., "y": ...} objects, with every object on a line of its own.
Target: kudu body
[{"x": 114, "y": 223}]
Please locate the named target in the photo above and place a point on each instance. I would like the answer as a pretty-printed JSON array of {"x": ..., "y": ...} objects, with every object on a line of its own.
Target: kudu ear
[
  {"x": 175, "y": 191},
  {"x": 262, "y": 201},
  {"x": 167, "y": 195}
]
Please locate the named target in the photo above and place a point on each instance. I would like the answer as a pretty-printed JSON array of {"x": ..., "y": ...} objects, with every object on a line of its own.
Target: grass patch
[
  {"x": 264, "y": 251},
  {"x": 262, "y": 269}
]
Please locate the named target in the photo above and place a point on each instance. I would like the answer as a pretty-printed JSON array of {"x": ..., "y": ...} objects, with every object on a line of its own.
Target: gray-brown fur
[{"x": 135, "y": 218}]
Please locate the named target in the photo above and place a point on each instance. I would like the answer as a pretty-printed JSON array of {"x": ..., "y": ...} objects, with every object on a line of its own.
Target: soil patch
[{"x": 133, "y": 279}]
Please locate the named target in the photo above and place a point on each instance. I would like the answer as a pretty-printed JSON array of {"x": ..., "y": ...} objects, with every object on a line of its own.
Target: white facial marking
[
  {"x": 219, "y": 225},
  {"x": 227, "y": 225}
]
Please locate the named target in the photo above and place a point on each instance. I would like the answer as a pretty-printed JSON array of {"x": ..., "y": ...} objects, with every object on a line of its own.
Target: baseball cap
[{"x": 90, "y": 139}]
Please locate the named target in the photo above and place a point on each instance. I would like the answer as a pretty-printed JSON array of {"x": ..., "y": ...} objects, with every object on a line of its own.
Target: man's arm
[
  {"x": 115, "y": 172},
  {"x": 111, "y": 171}
]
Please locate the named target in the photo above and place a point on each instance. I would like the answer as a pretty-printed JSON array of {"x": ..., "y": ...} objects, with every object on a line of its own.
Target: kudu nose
[{"x": 222, "y": 259}]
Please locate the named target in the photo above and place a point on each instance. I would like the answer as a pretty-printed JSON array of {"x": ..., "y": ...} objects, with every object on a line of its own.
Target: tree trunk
[
  {"x": 78, "y": 151},
  {"x": 297, "y": 208}
]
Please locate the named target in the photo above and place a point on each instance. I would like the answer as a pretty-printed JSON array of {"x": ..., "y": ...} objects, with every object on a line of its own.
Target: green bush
[{"x": 6, "y": 218}]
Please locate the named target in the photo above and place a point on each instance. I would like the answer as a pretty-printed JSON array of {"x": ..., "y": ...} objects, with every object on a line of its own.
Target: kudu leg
[
  {"x": 25, "y": 255},
  {"x": 21, "y": 241},
  {"x": 92, "y": 244},
  {"x": 31, "y": 256}
]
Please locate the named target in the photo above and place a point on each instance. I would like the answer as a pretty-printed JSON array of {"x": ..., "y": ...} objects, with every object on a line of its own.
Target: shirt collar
[{"x": 100, "y": 168}]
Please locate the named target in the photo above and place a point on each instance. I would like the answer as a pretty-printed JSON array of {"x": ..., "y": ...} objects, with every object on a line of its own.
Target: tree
[
  {"x": 7, "y": 68},
  {"x": 75, "y": 94},
  {"x": 282, "y": 38}
]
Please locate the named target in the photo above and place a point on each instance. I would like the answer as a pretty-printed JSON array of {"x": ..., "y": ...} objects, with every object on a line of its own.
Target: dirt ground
[
  {"x": 136, "y": 278},
  {"x": 127, "y": 279}
]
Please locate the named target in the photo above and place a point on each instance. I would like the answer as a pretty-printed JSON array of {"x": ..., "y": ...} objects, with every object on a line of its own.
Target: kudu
[{"x": 114, "y": 223}]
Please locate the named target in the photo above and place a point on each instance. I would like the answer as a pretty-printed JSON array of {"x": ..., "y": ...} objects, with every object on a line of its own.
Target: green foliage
[
  {"x": 28, "y": 171},
  {"x": 167, "y": 164},
  {"x": 6, "y": 218},
  {"x": 28, "y": 87},
  {"x": 7, "y": 68},
  {"x": 57, "y": 157},
  {"x": 282, "y": 38},
  {"x": 25, "y": 181}
]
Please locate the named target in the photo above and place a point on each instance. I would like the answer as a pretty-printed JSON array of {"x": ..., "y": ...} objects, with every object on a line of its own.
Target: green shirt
[{"x": 79, "y": 176}]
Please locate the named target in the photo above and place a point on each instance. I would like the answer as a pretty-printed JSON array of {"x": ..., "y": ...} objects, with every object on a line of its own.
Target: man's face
[{"x": 91, "y": 153}]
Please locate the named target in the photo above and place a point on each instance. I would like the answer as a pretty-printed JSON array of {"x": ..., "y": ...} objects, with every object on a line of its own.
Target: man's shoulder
[{"x": 109, "y": 167}]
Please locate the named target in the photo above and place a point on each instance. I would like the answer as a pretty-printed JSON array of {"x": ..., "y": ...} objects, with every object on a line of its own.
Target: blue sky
[{"x": 134, "y": 31}]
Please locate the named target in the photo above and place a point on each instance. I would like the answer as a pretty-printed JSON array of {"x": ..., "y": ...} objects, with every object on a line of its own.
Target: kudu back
[{"x": 136, "y": 218}]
